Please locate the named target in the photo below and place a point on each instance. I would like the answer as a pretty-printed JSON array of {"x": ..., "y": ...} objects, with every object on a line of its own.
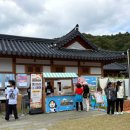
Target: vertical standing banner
[{"x": 36, "y": 91}]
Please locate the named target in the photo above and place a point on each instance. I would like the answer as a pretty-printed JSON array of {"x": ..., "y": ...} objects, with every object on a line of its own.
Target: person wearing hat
[
  {"x": 111, "y": 98},
  {"x": 85, "y": 96},
  {"x": 120, "y": 97}
]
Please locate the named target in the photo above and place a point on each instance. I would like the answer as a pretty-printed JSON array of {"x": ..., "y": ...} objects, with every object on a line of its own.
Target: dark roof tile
[
  {"x": 115, "y": 66},
  {"x": 38, "y": 47}
]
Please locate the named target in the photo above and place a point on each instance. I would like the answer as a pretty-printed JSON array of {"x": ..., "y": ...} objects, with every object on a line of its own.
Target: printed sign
[
  {"x": 60, "y": 103},
  {"x": 36, "y": 91},
  {"x": 92, "y": 81},
  {"x": 22, "y": 80}
]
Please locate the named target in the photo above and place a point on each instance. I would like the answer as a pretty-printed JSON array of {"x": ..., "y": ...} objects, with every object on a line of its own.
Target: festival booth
[
  {"x": 62, "y": 99},
  {"x": 94, "y": 82}
]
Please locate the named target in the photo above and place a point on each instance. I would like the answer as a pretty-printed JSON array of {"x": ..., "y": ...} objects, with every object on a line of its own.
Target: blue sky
[{"x": 54, "y": 18}]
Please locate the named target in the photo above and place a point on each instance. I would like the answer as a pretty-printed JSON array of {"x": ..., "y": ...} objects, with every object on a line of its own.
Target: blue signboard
[
  {"x": 92, "y": 81},
  {"x": 60, "y": 103}
]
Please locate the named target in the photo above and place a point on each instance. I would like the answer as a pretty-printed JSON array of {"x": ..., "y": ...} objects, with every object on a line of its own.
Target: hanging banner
[
  {"x": 36, "y": 91},
  {"x": 22, "y": 80}
]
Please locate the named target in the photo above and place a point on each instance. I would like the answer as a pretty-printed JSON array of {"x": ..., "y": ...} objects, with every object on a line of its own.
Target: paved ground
[{"x": 42, "y": 121}]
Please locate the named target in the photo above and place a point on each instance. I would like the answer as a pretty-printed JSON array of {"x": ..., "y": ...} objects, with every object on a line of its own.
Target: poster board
[
  {"x": 92, "y": 82},
  {"x": 60, "y": 103},
  {"x": 36, "y": 91},
  {"x": 22, "y": 80}
]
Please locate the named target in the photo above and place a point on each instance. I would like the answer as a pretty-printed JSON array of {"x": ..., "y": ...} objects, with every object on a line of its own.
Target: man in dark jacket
[{"x": 110, "y": 92}]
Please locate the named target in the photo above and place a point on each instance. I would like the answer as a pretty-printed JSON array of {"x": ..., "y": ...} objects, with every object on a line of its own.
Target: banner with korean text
[{"x": 36, "y": 91}]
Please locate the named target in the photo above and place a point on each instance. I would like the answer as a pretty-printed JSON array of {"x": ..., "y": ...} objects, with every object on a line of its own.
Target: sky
[{"x": 54, "y": 18}]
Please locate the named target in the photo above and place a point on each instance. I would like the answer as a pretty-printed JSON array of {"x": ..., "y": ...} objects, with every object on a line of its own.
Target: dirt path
[{"x": 42, "y": 121}]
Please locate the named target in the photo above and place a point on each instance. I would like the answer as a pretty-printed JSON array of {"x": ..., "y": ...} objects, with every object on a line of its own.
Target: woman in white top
[{"x": 120, "y": 97}]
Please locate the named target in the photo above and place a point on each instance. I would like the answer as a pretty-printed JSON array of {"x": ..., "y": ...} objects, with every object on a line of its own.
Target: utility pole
[{"x": 128, "y": 58}]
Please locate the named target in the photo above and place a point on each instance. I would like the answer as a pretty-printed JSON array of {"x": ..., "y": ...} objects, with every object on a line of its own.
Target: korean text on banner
[{"x": 36, "y": 91}]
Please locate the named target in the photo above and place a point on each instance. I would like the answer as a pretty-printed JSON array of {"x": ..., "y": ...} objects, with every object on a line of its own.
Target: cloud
[{"x": 54, "y": 18}]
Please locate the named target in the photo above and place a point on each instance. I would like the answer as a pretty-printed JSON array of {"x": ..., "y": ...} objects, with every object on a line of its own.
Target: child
[
  {"x": 99, "y": 98},
  {"x": 79, "y": 97}
]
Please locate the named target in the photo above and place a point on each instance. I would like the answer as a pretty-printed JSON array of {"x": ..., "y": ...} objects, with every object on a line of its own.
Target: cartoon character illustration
[
  {"x": 93, "y": 101},
  {"x": 52, "y": 106}
]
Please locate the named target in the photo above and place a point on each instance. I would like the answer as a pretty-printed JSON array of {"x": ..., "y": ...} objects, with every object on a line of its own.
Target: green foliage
[{"x": 117, "y": 42}]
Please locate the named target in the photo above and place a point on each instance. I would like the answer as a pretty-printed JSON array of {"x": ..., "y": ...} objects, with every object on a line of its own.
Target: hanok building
[
  {"x": 69, "y": 53},
  {"x": 115, "y": 70}
]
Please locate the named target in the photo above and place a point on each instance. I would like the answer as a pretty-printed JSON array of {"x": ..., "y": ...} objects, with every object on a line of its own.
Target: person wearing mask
[
  {"x": 85, "y": 96},
  {"x": 111, "y": 98},
  {"x": 120, "y": 97},
  {"x": 78, "y": 96},
  {"x": 49, "y": 89},
  {"x": 12, "y": 94}
]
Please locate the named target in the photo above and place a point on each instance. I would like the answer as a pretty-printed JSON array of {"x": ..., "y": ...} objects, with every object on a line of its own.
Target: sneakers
[
  {"x": 121, "y": 113},
  {"x": 116, "y": 113}
]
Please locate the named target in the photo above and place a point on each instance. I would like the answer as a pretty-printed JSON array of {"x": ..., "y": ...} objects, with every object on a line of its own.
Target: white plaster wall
[
  {"x": 46, "y": 69},
  {"x": 6, "y": 65},
  {"x": 95, "y": 70},
  {"x": 20, "y": 69},
  {"x": 76, "y": 45},
  {"x": 71, "y": 69}
]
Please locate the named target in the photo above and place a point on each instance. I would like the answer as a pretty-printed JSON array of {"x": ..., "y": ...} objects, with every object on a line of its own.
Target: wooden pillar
[
  {"x": 14, "y": 65},
  {"x": 79, "y": 71},
  {"x": 43, "y": 96}
]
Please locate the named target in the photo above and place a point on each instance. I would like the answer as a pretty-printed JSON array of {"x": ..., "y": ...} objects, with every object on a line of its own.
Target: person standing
[
  {"x": 78, "y": 96},
  {"x": 7, "y": 100},
  {"x": 85, "y": 96},
  {"x": 120, "y": 97},
  {"x": 111, "y": 98},
  {"x": 12, "y": 93}
]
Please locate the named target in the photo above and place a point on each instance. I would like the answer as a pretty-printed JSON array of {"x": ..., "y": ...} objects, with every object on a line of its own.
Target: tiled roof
[
  {"x": 52, "y": 48},
  {"x": 60, "y": 42},
  {"x": 115, "y": 66}
]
